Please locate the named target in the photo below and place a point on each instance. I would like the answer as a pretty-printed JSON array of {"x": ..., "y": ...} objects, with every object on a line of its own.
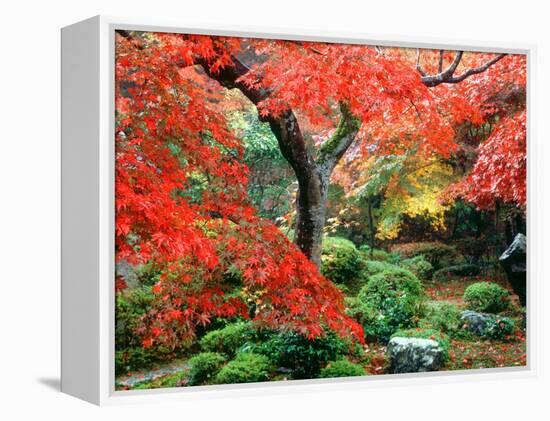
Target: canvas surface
[{"x": 298, "y": 210}]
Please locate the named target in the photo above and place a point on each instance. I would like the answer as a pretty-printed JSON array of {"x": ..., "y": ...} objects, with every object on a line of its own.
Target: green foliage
[
  {"x": 456, "y": 271},
  {"x": 229, "y": 339},
  {"x": 486, "y": 297},
  {"x": 204, "y": 367},
  {"x": 438, "y": 254},
  {"x": 130, "y": 306},
  {"x": 391, "y": 300},
  {"x": 342, "y": 368},
  {"x": 147, "y": 274},
  {"x": 419, "y": 266},
  {"x": 435, "y": 335},
  {"x": 270, "y": 174},
  {"x": 340, "y": 260},
  {"x": 442, "y": 316},
  {"x": 372, "y": 267},
  {"x": 305, "y": 357},
  {"x": 245, "y": 368},
  {"x": 499, "y": 328},
  {"x": 379, "y": 255}
]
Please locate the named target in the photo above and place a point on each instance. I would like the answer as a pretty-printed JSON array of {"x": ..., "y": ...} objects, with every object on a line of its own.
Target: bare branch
[
  {"x": 447, "y": 75},
  {"x": 476, "y": 70}
]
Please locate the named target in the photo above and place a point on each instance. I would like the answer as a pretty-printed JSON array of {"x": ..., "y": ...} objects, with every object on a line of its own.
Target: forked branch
[{"x": 448, "y": 75}]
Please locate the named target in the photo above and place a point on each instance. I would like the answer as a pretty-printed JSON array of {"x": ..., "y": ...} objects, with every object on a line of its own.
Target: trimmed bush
[
  {"x": 342, "y": 368},
  {"x": 443, "y": 316},
  {"x": 436, "y": 335},
  {"x": 204, "y": 367},
  {"x": 456, "y": 271},
  {"x": 419, "y": 266},
  {"x": 229, "y": 339},
  {"x": 245, "y": 368},
  {"x": 391, "y": 299},
  {"x": 486, "y": 297},
  {"x": 438, "y": 254},
  {"x": 340, "y": 260},
  {"x": 499, "y": 328},
  {"x": 305, "y": 357}
]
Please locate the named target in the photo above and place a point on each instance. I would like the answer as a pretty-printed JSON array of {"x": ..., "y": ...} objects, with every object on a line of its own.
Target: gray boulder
[
  {"x": 474, "y": 322},
  {"x": 487, "y": 325},
  {"x": 514, "y": 262},
  {"x": 414, "y": 355}
]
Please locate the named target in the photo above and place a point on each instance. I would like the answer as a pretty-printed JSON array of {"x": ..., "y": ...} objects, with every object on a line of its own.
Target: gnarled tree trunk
[{"x": 312, "y": 172}]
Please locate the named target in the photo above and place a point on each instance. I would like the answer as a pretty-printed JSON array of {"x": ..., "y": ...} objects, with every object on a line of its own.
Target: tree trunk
[
  {"x": 311, "y": 214},
  {"x": 313, "y": 175},
  {"x": 312, "y": 172}
]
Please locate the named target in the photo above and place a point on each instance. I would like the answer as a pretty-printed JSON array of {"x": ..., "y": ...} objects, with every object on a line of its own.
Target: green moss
[{"x": 348, "y": 124}]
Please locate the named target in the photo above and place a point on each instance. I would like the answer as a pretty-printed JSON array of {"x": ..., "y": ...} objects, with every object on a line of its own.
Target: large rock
[
  {"x": 486, "y": 325},
  {"x": 413, "y": 355},
  {"x": 514, "y": 262},
  {"x": 474, "y": 322}
]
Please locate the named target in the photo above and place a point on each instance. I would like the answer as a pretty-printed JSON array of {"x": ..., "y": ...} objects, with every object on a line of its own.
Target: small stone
[{"x": 414, "y": 355}]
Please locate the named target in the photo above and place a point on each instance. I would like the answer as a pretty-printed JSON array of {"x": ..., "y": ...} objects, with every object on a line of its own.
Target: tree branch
[
  {"x": 285, "y": 127},
  {"x": 447, "y": 75},
  {"x": 334, "y": 148},
  {"x": 476, "y": 70}
]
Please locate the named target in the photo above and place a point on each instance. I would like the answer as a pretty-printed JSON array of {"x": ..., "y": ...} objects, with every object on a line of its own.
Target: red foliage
[
  {"x": 501, "y": 168},
  {"x": 169, "y": 131},
  {"x": 172, "y": 138}
]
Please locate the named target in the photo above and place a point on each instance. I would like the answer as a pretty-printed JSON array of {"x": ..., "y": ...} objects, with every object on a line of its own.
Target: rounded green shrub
[
  {"x": 204, "y": 366},
  {"x": 245, "y": 368},
  {"x": 229, "y": 339},
  {"x": 486, "y": 297},
  {"x": 305, "y": 357},
  {"x": 342, "y": 368},
  {"x": 499, "y": 328},
  {"x": 419, "y": 266},
  {"x": 442, "y": 316},
  {"x": 391, "y": 299},
  {"x": 340, "y": 260},
  {"x": 435, "y": 335},
  {"x": 456, "y": 271}
]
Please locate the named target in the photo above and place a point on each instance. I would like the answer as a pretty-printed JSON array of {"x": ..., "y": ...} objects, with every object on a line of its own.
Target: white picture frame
[{"x": 87, "y": 325}]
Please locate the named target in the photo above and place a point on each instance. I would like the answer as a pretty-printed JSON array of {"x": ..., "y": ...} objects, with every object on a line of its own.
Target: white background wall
[{"x": 29, "y": 207}]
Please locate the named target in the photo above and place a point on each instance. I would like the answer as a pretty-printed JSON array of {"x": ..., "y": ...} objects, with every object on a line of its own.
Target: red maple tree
[{"x": 171, "y": 133}]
